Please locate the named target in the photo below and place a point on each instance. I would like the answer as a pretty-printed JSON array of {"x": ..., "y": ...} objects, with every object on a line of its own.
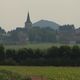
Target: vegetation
[
  {"x": 52, "y": 73},
  {"x": 8, "y": 75},
  {"x": 54, "y": 56},
  {"x": 31, "y": 45},
  {"x": 35, "y": 45}
]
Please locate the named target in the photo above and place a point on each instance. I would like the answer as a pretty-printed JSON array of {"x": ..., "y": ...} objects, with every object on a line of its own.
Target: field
[
  {"x": 34, "y": 45},
  {"x": 52, "y": 73}
]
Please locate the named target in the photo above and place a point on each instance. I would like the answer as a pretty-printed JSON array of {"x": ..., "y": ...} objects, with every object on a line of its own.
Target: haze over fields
[{"x": 13, "y": 13}]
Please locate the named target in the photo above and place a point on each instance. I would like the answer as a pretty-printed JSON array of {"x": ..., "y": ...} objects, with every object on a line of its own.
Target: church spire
[
  {"x": 28, "y": 23},
  {"x": 28, "y": 18}
]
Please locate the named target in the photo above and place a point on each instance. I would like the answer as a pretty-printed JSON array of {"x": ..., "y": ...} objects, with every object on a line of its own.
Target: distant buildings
[
  {"x": 18, "y": 36},
  {"x": 64, "y": 34}
]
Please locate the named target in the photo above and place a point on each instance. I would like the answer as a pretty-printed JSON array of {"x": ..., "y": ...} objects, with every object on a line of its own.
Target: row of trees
[{"x": 54, "y": 56}]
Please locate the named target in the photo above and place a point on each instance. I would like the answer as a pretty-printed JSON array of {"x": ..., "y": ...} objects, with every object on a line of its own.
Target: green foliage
[{"x": 54, "y": 56}]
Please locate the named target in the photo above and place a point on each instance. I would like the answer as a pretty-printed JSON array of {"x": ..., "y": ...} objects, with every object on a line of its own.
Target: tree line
[{"x": 54, "y": 56}]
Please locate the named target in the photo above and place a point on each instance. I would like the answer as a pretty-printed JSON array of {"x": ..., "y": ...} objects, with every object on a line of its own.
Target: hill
[{"x": 46, "y": 23}]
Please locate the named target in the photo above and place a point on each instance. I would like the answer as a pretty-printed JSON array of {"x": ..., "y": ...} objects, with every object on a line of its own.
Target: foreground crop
[
  {"x": 8, "y": 75},
  {"x": 51, "y": 73}
]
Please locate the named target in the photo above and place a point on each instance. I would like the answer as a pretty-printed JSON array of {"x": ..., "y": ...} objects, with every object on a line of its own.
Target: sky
[{"x": 13, "y": 13}]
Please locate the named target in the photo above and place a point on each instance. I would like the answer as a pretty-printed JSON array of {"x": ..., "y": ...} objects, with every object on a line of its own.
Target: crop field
[{"x": 51, "y": 73}]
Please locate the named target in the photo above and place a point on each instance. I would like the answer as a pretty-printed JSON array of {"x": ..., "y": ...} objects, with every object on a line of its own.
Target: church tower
[{"x": 28, "y": 23}]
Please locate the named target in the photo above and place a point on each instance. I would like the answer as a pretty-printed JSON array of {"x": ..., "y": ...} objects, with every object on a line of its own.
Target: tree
[{"x": 2, "y": 54}]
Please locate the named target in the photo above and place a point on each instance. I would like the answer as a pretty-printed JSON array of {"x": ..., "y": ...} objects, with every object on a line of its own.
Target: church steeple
[
  {"x": 28, "y": 18},
  {"x": 28, "y": 23}
]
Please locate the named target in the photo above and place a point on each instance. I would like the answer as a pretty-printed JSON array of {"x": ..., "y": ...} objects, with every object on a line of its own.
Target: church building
[{"x": 28, "y": 23}]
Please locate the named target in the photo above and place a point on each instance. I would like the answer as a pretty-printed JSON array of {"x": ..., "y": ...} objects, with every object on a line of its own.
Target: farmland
[
  {"x": 34, "y": 45},
  {"x": 29, "y": 45},
  {"x": 52, "y": 73}
]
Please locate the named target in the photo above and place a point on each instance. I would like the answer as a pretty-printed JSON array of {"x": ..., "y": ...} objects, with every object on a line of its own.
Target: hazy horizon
[{"x": 13, "y": 13}]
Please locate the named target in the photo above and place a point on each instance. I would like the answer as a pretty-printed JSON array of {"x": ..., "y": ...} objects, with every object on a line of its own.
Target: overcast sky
[{"x": 13, "y": 13}]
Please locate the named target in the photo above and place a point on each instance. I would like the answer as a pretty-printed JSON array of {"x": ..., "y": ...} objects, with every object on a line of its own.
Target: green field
[
  {"x": 34, "y": 45},
  {"x": 52, "y": 73}
]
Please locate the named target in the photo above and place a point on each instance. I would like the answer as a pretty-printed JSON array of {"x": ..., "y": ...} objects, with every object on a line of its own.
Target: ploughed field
[{"x": 50, "y": 73}]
